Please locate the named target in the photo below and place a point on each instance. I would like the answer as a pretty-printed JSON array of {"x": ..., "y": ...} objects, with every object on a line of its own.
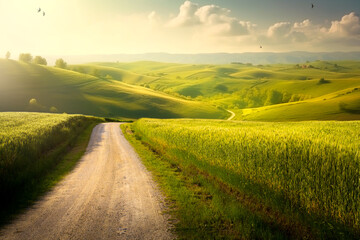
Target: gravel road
[{"x": 109, "y": 195}]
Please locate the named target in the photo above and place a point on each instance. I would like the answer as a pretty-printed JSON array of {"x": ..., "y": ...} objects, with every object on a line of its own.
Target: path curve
[
  {"x": 109, "y": 195},
  {"x": 232, "y": 115}
]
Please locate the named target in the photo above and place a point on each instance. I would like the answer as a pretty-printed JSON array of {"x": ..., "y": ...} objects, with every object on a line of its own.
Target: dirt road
[
  {"x": 232, "y": 115},
  {"x": 109, "y": 195}
]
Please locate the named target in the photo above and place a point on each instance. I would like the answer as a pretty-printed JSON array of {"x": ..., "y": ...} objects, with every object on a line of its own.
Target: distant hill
[
  {"x": 30, "y": 87},
  {"x": 319, "y": 90},
  {"x": 214, "y": 58}
]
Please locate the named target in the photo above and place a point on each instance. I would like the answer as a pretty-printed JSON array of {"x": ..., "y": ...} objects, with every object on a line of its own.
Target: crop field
[
  {"x": 28, "y": 142},
  {"x": 313, "y": 166}
]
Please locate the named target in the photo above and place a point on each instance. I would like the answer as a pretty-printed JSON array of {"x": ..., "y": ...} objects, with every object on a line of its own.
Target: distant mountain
[{"x": 213, "y": 58}]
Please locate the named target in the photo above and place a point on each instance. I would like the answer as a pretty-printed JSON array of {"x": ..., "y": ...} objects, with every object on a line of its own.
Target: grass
[
  {"x": 36, "y": 151},
  {"x": 239, "y": 87},
  {"x": 299, "y": 180},
  {"x": 30, "y": 87},
  {"x": 167, "y": 90},
  {"x": 341, "y": 105},
  {"x": 201, "y": 210}
]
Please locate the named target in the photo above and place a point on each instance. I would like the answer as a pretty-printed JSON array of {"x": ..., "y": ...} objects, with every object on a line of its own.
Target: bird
[
  {"x": 260, "y": 46},
  {"x": 43, "y": 13},
  {"x": 312, "y": 5},
  {"x": 39, "y": 10}
]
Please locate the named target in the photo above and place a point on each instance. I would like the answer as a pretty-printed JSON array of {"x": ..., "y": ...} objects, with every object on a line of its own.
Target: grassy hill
[
  {"x": 309, "y": 91},
  {"x": 29, "y": 87}
]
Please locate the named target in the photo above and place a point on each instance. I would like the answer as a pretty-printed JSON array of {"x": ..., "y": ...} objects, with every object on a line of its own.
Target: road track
[{"x": 109, "y": 195}]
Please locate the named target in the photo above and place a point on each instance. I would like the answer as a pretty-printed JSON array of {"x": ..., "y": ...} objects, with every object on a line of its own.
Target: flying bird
[{"x": 39, "y": 10}]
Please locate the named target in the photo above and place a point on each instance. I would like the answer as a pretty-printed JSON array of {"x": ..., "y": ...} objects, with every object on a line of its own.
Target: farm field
[
  {"x": 286, "y": 180},
  {"x": 277, "y": 92},
  {"x": 32, "y": 146}
]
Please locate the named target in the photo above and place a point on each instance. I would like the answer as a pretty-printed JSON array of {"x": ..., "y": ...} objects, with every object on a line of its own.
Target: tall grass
[
  {"x": 314, "y": 164},
  {"x": 30, "y": 143}
]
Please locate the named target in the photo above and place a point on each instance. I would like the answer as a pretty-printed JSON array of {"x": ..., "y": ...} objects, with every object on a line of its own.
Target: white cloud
[
  {"x": 212, "y": 14},
  {"x": 186, "y": 15},
  {"x": 213, "y": 27},
  {"x": 349, "y": 25},
  {"x": 210, "y": 19},
  {"x": 279, "y": 30}
]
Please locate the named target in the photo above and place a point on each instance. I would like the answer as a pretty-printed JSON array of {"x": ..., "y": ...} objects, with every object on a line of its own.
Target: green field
[
  {"x": 295, "y": 90},
  {"x": 30, "y": 87},
  {"x": 302, "y": 177},
  {"x": 277, "y": 92},
  {"x": 30, "y": 146}
]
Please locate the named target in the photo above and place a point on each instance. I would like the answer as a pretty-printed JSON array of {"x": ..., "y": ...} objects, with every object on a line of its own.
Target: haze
[{"x": 196, "y": 26}]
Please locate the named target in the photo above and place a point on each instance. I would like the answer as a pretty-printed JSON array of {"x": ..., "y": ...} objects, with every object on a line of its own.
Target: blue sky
[{"x": 178, "y": 26}]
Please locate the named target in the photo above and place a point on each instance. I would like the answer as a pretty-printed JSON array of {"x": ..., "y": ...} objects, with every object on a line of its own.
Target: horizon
[
  {"x": 177, "y": 27},
  {"x": 290, "y": 57}
]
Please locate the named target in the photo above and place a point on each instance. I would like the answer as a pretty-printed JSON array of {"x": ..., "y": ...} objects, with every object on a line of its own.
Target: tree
[
  {"x": 40, "y": 60},
  {"x": 323, "y": 81},
  {"x": 7, "y": 55},
  {"x": 25, "y": 57},
  {"x": 60, "y": 63}
]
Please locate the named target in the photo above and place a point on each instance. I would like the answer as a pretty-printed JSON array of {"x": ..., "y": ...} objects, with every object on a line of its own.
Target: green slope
[
  {"x": 342, "y": 105},
  {"x": 270, "y": 91},
  {"x": 73, "y": 92}
]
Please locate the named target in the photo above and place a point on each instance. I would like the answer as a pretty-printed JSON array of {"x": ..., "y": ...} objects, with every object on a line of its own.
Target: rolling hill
[
  {"x": 30, "y": 87},
  {"x": 309, "y": 91}
]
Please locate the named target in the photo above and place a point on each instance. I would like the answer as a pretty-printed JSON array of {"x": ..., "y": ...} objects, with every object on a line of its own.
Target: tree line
[{"x": 28, "y": 58}]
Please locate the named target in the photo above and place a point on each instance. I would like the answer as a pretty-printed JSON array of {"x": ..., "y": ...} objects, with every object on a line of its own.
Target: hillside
[
  {"x": 29, "y": 87},
  {"x": 309, "y": 91}
]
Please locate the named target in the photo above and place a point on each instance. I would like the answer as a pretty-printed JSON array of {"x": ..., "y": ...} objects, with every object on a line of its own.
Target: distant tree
[
  {"x": 323, "y": 81},
  {"x": 53, "y": 109},
  {"x": 221, "y": 88},
  {"x": 40, "y": 60},
  {"x": 273, "y": 97},
  {"x": 60, "y": 63},
  {"x": 95, "y": 72},
  {"x": 7, "y": 55},
  {"x": 25, "y": 57}
]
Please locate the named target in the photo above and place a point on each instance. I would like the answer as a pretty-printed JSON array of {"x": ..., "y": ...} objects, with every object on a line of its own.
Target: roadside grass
[
  {"x": 264, "y": 180},
  {"x": 200, "y": 207},
  {"x": 60, "y": 160}
]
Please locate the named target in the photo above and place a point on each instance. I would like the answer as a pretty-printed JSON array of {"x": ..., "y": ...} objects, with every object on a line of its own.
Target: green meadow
[
  {"x": 297, "y": 180},
  {"x": 31, "y": 87},
  {"x": 319, "y": 90}
]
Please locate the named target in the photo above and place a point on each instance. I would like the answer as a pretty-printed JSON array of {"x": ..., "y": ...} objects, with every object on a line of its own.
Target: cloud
[
  {"x": 279, "y": 30},
  {"x": 349, "y": 25},
  {"x": 210, "y": 19},
  {"x": 186, "y": 15},
  {"x": 154, "y": 19}
]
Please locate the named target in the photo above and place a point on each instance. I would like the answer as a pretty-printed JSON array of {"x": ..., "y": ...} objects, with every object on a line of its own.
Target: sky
[{"x": 81, "y": 27}]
